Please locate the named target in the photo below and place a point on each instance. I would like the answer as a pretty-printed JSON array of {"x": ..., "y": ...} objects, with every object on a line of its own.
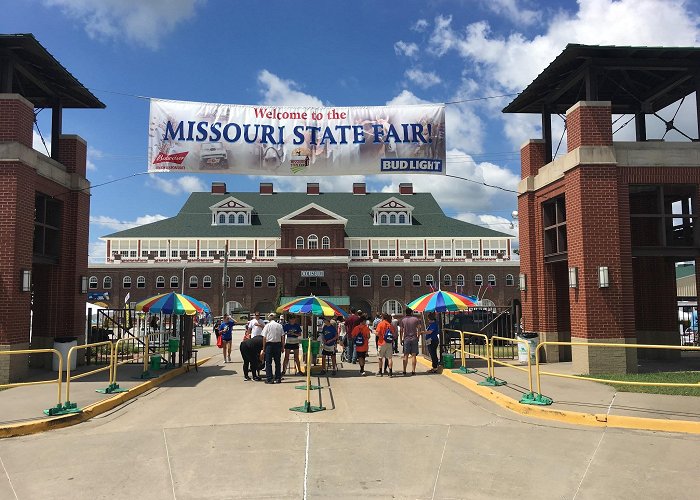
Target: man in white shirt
[
  {"x": 273, "y": 339},
  {"x": 255, "y": 326}
]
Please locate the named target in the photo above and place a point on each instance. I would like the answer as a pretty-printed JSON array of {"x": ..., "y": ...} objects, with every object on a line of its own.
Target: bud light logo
[{"x": 418, "y": 165}]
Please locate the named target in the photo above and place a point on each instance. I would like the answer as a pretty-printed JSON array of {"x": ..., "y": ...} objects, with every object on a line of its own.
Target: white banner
[{"x": 281, "y": 140}]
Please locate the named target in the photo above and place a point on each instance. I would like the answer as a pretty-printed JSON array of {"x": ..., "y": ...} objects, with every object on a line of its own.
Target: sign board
[
  {"x": 284, "y": 140},
  {"x": 312, "y": 274},
  {"x": 92, "y": 296}
]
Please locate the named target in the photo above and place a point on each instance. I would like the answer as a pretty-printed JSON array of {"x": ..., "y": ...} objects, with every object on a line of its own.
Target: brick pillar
[
  {"x": 16, "y": 119},
  {"x": 589, "y": 123},
  {"x": 595, "y": 239},
  {"x": 73, "y": 154}
]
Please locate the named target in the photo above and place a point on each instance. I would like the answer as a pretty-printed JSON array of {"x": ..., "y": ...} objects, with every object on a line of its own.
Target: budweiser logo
[{"x": 177, "y": 158}]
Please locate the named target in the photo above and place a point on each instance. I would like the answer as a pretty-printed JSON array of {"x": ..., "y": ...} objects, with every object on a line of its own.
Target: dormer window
[
  {"x": 393, "y": 212},
  {"x": 231, "y": 212}
]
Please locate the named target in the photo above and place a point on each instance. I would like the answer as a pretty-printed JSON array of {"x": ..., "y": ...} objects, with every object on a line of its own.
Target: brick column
[{"x": 16, "y": 235}]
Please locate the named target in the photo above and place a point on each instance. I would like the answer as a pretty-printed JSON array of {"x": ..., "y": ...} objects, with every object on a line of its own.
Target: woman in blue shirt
[
  {"x": 432, "y": 340},
  {"x": 329, "y": 338}
]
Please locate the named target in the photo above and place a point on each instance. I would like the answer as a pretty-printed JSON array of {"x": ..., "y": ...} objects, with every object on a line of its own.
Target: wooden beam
[{"x": 56, "y": 126}]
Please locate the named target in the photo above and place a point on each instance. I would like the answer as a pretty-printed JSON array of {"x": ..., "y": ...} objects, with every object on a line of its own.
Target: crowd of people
[{"x": 264, "y": 342}]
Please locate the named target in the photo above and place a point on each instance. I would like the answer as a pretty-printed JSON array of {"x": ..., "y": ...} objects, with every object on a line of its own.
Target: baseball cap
[{"x": 272, "y": 316}]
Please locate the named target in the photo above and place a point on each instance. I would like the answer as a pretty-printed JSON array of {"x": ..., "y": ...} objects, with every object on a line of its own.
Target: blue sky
[{"x": 350, "y": 53}]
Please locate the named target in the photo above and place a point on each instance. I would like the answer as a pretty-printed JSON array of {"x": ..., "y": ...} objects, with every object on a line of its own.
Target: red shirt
[{"x": 382, "y": 327}]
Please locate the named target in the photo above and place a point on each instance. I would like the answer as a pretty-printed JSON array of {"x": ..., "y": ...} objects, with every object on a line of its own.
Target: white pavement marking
[
  {"x": 167, "y": 454},
  {"x": 437, "y": 476},
  {"x": 8, "y": 478},
  {"x": 306, "y": 457}
]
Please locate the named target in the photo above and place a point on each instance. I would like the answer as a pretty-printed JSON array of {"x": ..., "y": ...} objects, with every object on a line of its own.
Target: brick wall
[{"x": 532, "y": 156}]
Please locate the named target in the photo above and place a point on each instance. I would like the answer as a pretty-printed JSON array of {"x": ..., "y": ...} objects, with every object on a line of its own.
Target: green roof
[{"x": 194, "y": 218}]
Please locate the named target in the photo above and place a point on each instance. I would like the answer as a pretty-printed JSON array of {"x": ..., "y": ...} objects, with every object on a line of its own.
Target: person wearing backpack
[
  {"x": 360, "y": 341},
  {"x": 385, "y": 339}
]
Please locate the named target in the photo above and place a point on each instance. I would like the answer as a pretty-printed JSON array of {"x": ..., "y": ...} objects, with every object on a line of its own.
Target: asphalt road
[{"x": 212, "y": 435}]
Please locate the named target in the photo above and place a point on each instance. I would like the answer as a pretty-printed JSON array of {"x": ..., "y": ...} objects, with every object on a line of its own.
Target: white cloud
[
  {"x": 327, "y": 184},
  {"x": 120, "y": 225},
  {"x": 506, "y": 64},
  {"x": 513, "y": 10},
  {"x": 424, "y": 79},
  {"x": 92, "y": 155},
  {"x": 279, "y": 92},
  {"x": 495, "y": 222},
  {"x": 97, "y": 251},
  {"x": 141, "y": 22},
  {"x": 180, "y": 185},
  {"x": 420, "y": 26},
  {"x": 408, "y": 49}
]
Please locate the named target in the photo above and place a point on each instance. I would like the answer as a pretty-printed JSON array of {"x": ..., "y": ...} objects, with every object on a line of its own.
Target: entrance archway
[
  {"x": 392, "y": 306},
  {"x": 233, "y": 306}
]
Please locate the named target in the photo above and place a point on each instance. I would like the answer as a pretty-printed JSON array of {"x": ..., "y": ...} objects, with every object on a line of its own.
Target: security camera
[{"x": 514, "y": 215}]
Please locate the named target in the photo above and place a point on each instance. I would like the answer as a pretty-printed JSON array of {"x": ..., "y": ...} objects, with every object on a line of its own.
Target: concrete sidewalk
[
  {"x": 586, "y": 396},
  {"x": 210, "y": 434}
]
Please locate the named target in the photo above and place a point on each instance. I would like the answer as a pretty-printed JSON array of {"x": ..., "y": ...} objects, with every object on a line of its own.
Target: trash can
[
  {"x": 63, "y": 345},
  {"x": 206, "y": 338},
  {"x": 533, "y": 339},
  {"x": 315, "y": 346},
  {"x": 448, "y": 360},
  {"x": 173, "y": 345},
  {"x": 155, "y": 362}
]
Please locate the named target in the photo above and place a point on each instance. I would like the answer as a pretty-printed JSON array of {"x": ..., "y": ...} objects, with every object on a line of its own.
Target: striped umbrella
[
  {"x": 172, "y": 303},
  {"x": 441, "y": 301},
  {"x": 312, "y": 305}
]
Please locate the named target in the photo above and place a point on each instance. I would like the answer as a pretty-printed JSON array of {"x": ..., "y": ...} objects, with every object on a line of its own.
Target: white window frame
[
  {"x": 478, "y": 280},
  {"x": 510, "y": 280},
  {"x": 93, "y": 283},
  {"x": 206, "y": 282},
  {"x": 353, "y": 280},
  {"x": 239, "y": 282},
  {"x": 107, "y": 282},
  {"x": 141, "y": 282},
  {"x": 174, "y": 282},
  {"x": 312, "y": 242},
  {"x": 325, "y": 243},
  {"x": 416, "y": 280},
  {"x": 257, "y": 281},
  {"x": 300, "y": 242},
  {"x": 271, "y": 280},
  {"x": 398, "y": 280},
  {"x": 366, "y": 280},
  {"x": 160, "y": 282},
  {"x": 126, "y": 282},
  {"x": 384, "y": 280}
]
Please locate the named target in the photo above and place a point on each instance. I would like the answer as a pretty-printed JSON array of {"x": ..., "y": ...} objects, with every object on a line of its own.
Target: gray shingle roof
[{"x": 194, "y": 218}]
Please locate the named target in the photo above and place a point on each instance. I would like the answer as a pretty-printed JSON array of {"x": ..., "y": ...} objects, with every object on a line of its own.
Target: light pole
[{"x": 182, "y": 288}]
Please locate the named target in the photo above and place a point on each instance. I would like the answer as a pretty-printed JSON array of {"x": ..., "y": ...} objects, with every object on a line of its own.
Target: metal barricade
[
  {"x": 593, "y": 379},
  {"x": 70, "y": 405},
  {"x": 527, "y": 370},
  {"x": 464, "y": 352},
  {"x": 58, "y": 381}
]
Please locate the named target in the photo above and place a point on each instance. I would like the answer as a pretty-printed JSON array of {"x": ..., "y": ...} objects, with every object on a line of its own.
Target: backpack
[
  {"x": 360, "y": 338},
  {"x": 389, "y": 334}
]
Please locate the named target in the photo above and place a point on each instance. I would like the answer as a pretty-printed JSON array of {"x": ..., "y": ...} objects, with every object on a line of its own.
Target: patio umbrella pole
[{"x": 307, "y": 407}]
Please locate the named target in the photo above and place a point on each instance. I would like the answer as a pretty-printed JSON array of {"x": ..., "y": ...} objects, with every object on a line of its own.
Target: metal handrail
[{"x": 58, "y": 380}]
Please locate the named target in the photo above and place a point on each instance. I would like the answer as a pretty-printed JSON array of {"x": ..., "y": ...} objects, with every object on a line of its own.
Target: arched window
[
  {"x": 460, "y": 280},
  {"x": 392, "y": 307},
  {"x": 325, "y": 242},
  {"x": 271, "y": 280},
  {"x": 194, "y": 282},
  {"x": 174, "y": 282},
  {"x": 509, "y": 280},
  {"x": 416, "y": 280},
  {"x": 384, "y": 280},
  {"x": 239, "y": 281},
  {"x": 478, "y": 280},
  {"x": 382, "y": 219},
  {"x": 231, "y": 218},
  {"x": 447, "y": 280},
  {"x": 492, "y": 280},
  {"x": 107, "y": 282},
  {"x": 257, "y": 281},
  {"x": 398, "y": 280},
  {"x": 228, "y": 281},
  {"x": 140, "y": 282},
  {"x": 160, "y": 282},
  {"x": 402, "y": 218},
  {"x": 313, "y": 242},
  {"x": 300, "y": 242},
  {"x": 353, "y": 280},
  {"x": 206, "y": 282},
  {"x": 241, "y": 219},
  {"x": 429, "y": 280},
  {"x": 366, "y": 280},
  {"x": 222, "y": 218},
  {"x": 126, "y": 282},
  {"x": 93, "y": 282},
  {"x": 392, "y": 219}
]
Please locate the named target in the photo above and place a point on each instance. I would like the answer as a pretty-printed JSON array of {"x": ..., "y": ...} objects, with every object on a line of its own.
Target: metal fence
[{"x": 496, "y": 321}]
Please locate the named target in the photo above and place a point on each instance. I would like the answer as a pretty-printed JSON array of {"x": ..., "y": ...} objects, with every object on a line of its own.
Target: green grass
[{"x": 663, "y": 377}]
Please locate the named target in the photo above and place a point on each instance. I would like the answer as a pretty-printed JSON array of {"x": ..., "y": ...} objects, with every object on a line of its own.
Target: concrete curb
[
  {"x": 571, "y": 417},
  {"x": 92, "y": 410}
]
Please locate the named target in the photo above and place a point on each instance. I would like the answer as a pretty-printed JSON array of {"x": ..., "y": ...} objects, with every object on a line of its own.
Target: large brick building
[
  {"x": 603, "y": 225},
  {"x": 44, "y": 205},
  {"x": 373, "y": 251}
]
